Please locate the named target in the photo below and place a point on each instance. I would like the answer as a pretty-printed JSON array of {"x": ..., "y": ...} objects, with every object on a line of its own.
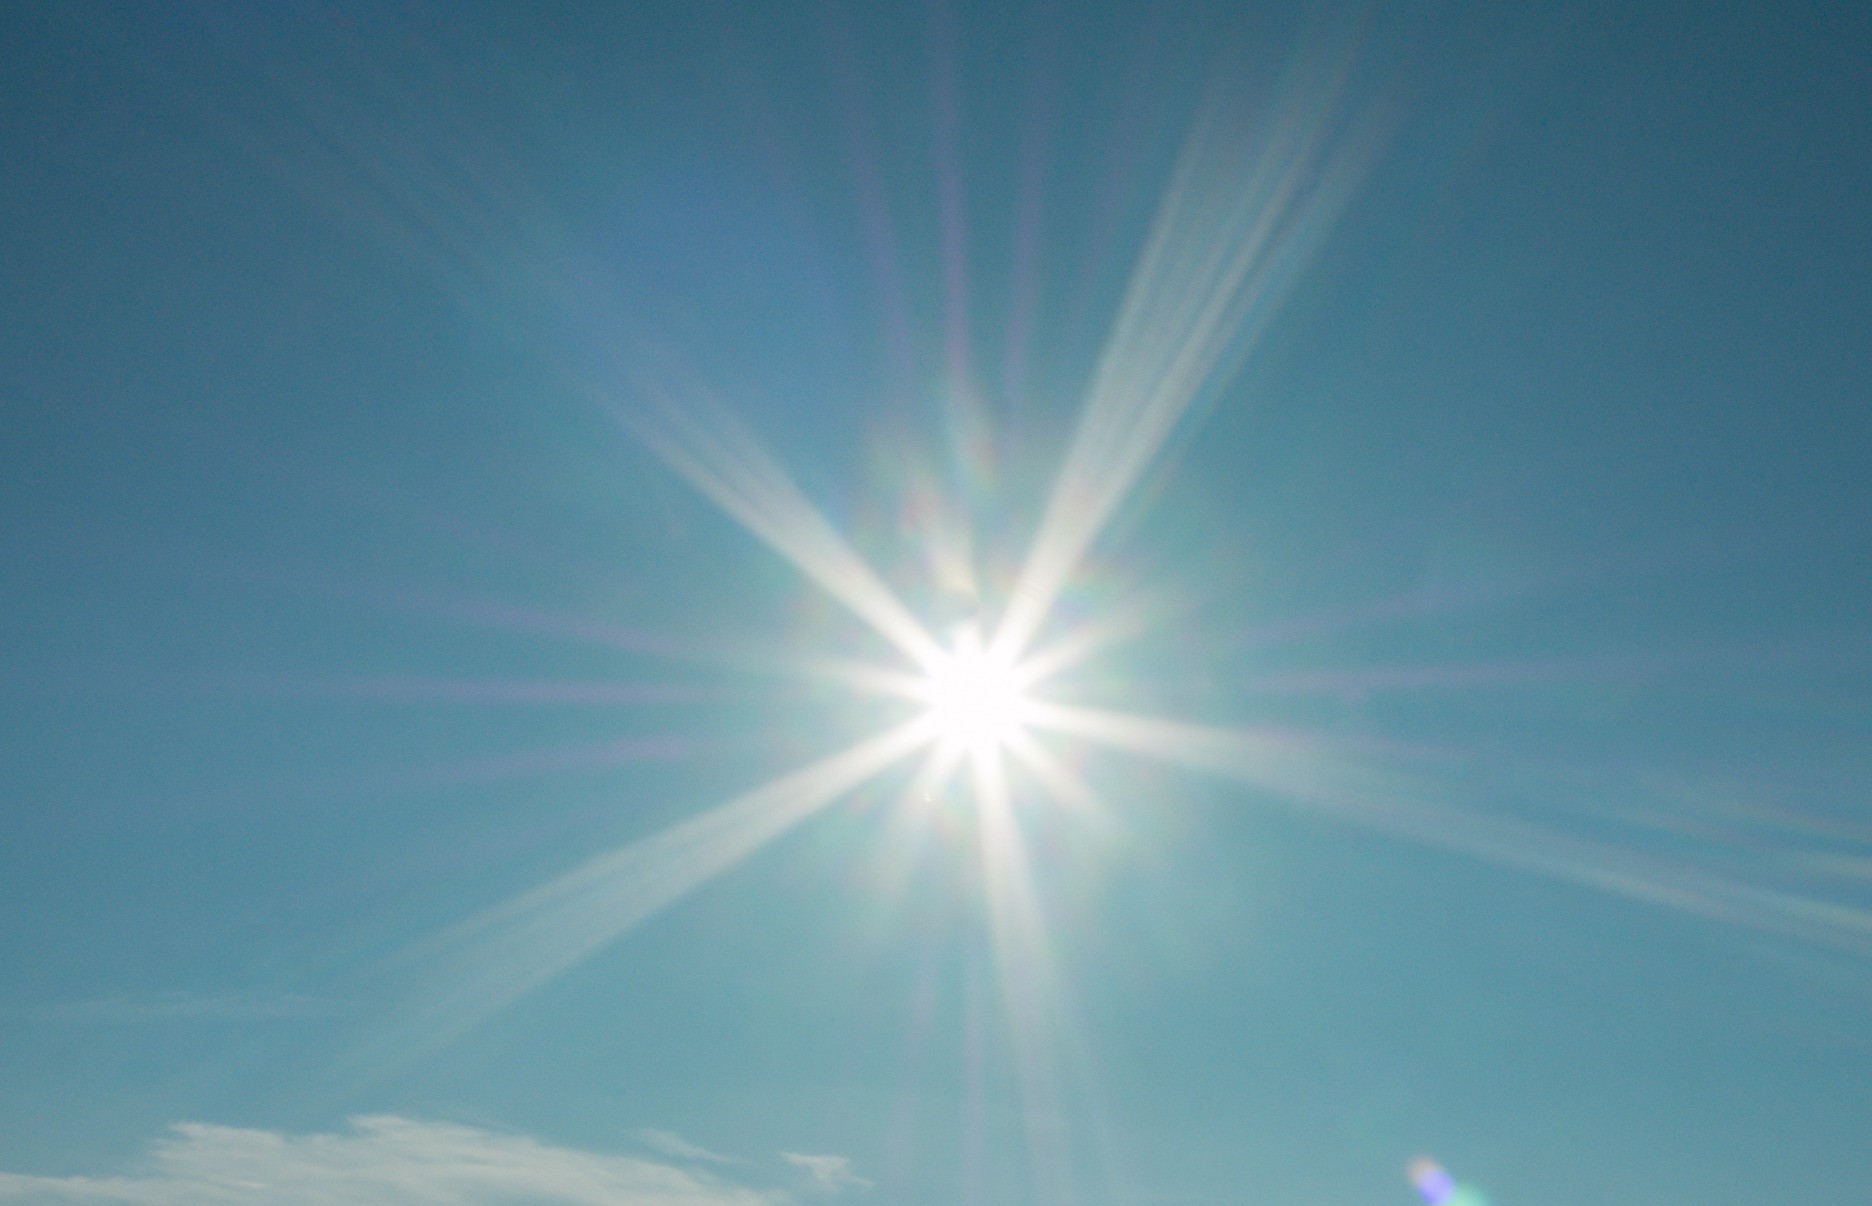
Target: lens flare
[
  {"x": 1434, "y": 1184},
  {"x": 1437, "y": 1188}
]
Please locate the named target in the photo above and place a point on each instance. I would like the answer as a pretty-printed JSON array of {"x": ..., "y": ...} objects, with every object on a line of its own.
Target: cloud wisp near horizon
[{"x": 386, "y": 1160}]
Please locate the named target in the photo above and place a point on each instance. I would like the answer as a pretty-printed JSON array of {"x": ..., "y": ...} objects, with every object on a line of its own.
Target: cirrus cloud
[
  {"x": 380, "y": 1161},
  {"x": 674, "y": 1145},
  {"x": 829, "y": 1173}
]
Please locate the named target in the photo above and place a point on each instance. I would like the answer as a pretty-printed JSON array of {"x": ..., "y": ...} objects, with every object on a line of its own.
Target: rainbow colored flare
[{"x": 1437, "y": 1188}]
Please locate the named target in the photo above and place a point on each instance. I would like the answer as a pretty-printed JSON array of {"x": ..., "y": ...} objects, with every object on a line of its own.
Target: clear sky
[{"x": 702, "y": 602}]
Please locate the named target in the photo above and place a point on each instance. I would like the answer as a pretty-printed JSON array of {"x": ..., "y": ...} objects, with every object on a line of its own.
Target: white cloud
[
  {"x": 380, "y": 1161},
  {"x": 829, "y": 1173},
  {"x": 674, "y": 1145}
]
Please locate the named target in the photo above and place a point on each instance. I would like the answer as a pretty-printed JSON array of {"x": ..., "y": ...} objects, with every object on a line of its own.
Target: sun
[
  {"x": 976, "y": 696},
  {"x": 993, "y": 704}
]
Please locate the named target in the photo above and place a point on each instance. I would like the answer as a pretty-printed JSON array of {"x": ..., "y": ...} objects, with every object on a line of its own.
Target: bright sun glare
[
  {"x": 975, "y": 695},
  {"x": 1234, "y": 222}
]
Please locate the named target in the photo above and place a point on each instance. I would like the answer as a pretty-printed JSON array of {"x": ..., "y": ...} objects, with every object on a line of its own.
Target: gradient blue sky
[{"x": 341, "y": 601}]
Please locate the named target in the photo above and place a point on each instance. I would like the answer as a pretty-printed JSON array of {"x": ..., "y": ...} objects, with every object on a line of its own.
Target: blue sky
[{"x": 469, "y": 474}]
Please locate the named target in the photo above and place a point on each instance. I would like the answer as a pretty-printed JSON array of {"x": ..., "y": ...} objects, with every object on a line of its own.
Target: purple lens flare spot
[{"x": 1434, "y": 1184}]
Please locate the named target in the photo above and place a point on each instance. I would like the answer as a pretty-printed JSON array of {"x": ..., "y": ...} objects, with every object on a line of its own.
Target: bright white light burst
[
  {"x": 976, "y": 696},
  {"x": 1244, "y": 204}
]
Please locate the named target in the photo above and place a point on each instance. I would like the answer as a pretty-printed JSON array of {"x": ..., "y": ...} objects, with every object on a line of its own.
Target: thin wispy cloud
[
  {"x": 831, "y": 1174},
  {"x": 675, "y": 1146},
  {"x": 380, "y": 1161}
]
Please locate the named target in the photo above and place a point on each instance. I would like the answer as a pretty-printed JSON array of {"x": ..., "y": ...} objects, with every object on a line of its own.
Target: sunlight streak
[
  {"x": 1080, "y": 644},
  {"x": 1341, "y": 784},
  {"x": 1274, "y": 759},
  {"x": 1234, "y": 222},
  {"x": 723, "y": 460},
  {"x": 480, "y": 966},
  {"x": 909, "y": 825},
  {"x": 1056, "y": 778},
  {"x": 1028, "y": 980},
  {"x": 868, "y": 679}
]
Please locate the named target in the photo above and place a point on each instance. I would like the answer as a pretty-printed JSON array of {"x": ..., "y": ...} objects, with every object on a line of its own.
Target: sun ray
[
  {"x": 486, "y": 963},
  {"x": 1272, "y": 758},
  {"x": 1054, "y": 777},
  {"x": 723, "y": 460},
  {"x": 1077, "y": 646},
  {"x": 1346, "y": 784},
  {"x": 867, "y": 678},
  {"x": 1234, "y": 222},
  {"x": 908, "y": 825},
  {"x": 1028, "y": 982}
]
